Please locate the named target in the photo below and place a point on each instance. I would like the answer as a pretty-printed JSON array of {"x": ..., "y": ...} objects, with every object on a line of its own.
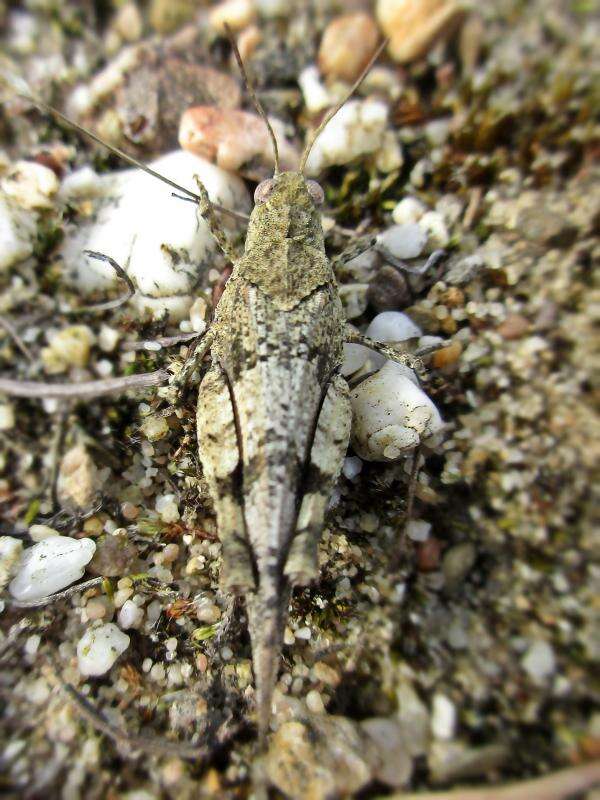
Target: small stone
[
  {"x": 319, "y": 760},
  {"x": 129, "y": 511},
  {"x": 30, "y": 184},
  {"x": 108, "y": 338},
  {"x": 7, "y": 417},
  {"x": 235, "y": 13},
  {"x": 457, "y": 563},
  {"x": 130, "y": 615},
  {"x": 413, "y": 26},
  {"x": 539, "y": 661},
  {"x": 414, "y": 718},
  {"x": 389, "y": 157},
  {"x": 389, "y": 290},
  {"x": 443, "y": 717},
  {"x": 464, "y": 270},
  {"x": 428, "y": 555},
  {"x": 303, "y": 633},
  {"x": 50, "y": 565},
  {"x": 357, "y": 129},
  {"x": 68, "y": 348},
  {"x": 326, "y": 674},
  {"x": 98, "y": 608},
  {"x": 155, "y": 427},
  {"x": 316, "y": 97},
  {"x": 248, "y": 41},
  {"x": 32, "y": 644},
  {"x": 233, "y": 138},
  {"x": 77, "y": 484},
  {"x": 538, "y": 224},
  {"x": 40, "y": 532},
  {"x": 514, "y": 327},
  {"x": 355, "y": 356},
  {"x": 437, "y": 232},
  {"x": 17, "y": 233},
  {"x": 10, "y": 556},
  {"x": 115, "y": 555},
  {"x": 166, "y": 505},
  {"x": 314, "y": 702},
  {"x": 408, "y": 211},
  {"x": 347, "y": 45},
  {"x": 99, "y": 648},
  {"x": 447, "y": 355},
  {"x": 389, "y": 756},
  {"x": 198, "y": 314},
  {"x": 418, "y": 530},
  {"x": 391, "y": 415},
  {"x": 352, "y": 467},
  {"x": 167, "y": 16},
  {"x": 392, "y": 326},
  {"x": 403, "y": 241},
  {"x": 128, "y": 22}
]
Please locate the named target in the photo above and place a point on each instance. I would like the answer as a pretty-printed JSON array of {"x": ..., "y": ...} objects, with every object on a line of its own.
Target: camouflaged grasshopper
[{"x": 274, "y": 415}]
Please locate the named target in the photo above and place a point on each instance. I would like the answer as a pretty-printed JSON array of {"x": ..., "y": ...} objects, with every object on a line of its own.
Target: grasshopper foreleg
[
  {"x": 207, "y": 212},
  {"x": 325, "y": 463}
]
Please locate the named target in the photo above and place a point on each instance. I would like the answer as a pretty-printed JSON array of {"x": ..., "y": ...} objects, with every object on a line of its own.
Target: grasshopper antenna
[
  {"x": 331, "y": 114},
  {"x": 257, "y": 104},
  {"x": 121, "y": 154}
]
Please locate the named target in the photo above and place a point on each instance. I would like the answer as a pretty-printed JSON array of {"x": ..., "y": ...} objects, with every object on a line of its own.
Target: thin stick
[
  {"x": 557, "y": 786},
  {"x": 257, "y": 104},
  {"x": 53, "y": 598},
  {"x": 331, "y": 114},
  {"x": 117, "y": 151},
  {"x": 86, "y": 390},
  {"x": 12, "y": 332},
  {"x": 109, "y": 304}
]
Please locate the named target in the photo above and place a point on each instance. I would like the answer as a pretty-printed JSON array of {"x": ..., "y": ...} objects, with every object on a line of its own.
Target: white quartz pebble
[
  {"x": 10, "y": 553},
  {"x": 391, "y": 415},
  {"x": 50, "y": 565},
  {"x": 352, "y": 467},
  {"x": 99, "y": 648},
  {"x": 408, "y": 211},
  {"x": 418, "y": 530},
  {"x": 160, "y": 240},
  {"x": 316, "y": 96},
  {"x": 391, "y": 327},
  {"x": 130, "y": 615},
  {"x": 17, "y": 233},
  {"x": 404, "y": 241},
  {"x": 355, "y": 356},
  {"x": 355, "y": 130}
]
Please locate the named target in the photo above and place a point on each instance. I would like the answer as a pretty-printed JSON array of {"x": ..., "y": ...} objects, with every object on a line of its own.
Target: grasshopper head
[{"x": 286, "y": 204}]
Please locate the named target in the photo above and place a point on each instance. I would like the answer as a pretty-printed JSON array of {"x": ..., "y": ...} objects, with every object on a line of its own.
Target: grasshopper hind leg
[
  {"x": 327, "y": 453},
  {"x": 220, "y": 457}
]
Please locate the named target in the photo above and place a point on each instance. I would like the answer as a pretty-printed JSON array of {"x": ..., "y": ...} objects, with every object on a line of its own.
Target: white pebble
[
  {"x": 163, "y": 243},
  {"x": 418, "y": 530},
  {"x": 7, "y": 416},
  {"x": 539, "y": 661},
  {"x": 30, "y": 184},
  {"x": 357, "y": 129},
  {"x": 51, "y": 565},
  {"x": 198, "y": 315},
  {"x": 130, "y": 615},
  {"x": 40, "y": 532},
  {"x": 314, "y": 702},
  {"x": 404, "y": 241},
  {"x": 391, "y": 415},
  {"x": 437, "y": 232},
  {"x": 390, "y": 327},
  {"x": 355, "y": 356},
  {"x": 108, "y": 339},
  {"x": 352, "y": 467},
  {"x": 166, "y": 506},
  {"x": 10, "y": 555},
  {"x": 99, "y": 648},
  {"x": 32, "y": 643},
  {"x": 316, "y": 97},
  {"x": 17, "y": 233},
  {"x": 443, "y": 717},
  {"x": 303, "y": 633},
  {"x": 408, "y": 211}
]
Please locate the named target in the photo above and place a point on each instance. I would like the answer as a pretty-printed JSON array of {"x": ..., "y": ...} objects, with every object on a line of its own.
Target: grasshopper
[{"x": 273, "y": 414}]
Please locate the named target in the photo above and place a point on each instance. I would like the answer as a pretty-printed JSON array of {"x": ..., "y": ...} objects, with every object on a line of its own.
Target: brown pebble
[
  {"x": 428, "y": 554},
  {"x": 447, "y": 355},
  {"x": 202, "y": 662},
  {"x": 453, "y": 297},
  {"x": 389, "y": 290},
  {"x": 347, "y": 45},
  {"x": 513, "y": 327},
  {"x": 248, "y": 41},
  {"x": 413, "y": 26}
]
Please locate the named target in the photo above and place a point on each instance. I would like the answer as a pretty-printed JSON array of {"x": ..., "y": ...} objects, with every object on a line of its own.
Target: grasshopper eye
[
  {"x": 263, "y": 190},
  {"x": 315, "y": 191}
]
